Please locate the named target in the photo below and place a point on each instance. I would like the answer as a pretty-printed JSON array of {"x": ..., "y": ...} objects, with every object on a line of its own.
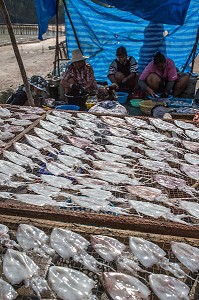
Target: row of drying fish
[
  {"x": 13, "y": 122},
  {"x": 18, "y": 266}
]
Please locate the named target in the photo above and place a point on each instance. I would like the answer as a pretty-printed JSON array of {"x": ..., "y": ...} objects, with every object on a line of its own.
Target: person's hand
[{"x": 150, "y": 92}]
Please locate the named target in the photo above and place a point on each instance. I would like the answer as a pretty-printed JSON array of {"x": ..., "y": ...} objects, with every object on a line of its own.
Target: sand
[{"x": 38, "y": 60}]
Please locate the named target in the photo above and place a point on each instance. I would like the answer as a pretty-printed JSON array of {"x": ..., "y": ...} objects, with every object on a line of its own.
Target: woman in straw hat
[{"x": 79, "y": 77}]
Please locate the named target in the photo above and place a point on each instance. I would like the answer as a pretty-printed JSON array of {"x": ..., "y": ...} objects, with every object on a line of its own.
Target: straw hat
[{"x": 77, "y": 56}]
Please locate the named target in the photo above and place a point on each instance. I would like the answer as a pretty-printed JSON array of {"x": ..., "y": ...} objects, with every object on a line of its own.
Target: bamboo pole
[{"x": 17, "y": 53}]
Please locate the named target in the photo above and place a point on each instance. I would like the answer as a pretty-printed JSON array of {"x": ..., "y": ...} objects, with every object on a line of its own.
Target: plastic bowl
[
  {"x": 68, "y": 107},
  {"x": 160, "y": 98},
  {"x": 136, "y": 102},
  {"x": 146, "y": 106},
  {"x": 122, "y": 97}
]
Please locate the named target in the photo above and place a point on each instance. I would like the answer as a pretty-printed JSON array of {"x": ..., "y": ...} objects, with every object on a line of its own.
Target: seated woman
[
  {"x": 79, "y": 77},
  {"x": 160, "y": 76}
]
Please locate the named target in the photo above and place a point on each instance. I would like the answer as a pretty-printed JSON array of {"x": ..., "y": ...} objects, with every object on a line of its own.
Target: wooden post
[{"x": 17, "y": 53}]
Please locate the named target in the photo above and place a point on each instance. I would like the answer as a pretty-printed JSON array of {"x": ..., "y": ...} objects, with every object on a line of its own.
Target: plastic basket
[
  {"x": 68, "y": 107},
  {"x": 136, "y": 102},
  {"x": 122, "y": 97},
  {"x": 146, "y": 106},
  {"x": 180, "y": 102}
]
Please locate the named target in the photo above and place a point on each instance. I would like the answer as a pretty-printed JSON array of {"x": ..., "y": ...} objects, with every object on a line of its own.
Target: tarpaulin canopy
[
  {"x": 100, "y": 30},
  {"x": 162, "y": 11}
]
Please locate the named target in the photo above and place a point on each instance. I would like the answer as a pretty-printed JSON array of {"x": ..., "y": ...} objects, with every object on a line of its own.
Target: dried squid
[
  {"x": 149, "y": 254},
  {"x": 18, "y": 267},
  {"x": 171, "y": 182},
  {"x": 6, "y": 291},
  {"x": 69, "y": 244},
  {"x": 167, "y": 287},
  {"x": 70, "y": 284},
  {"x": 121, "y": 286},
  {"x": 187, "y": 255},
  {"x": 33, "y": 238}
]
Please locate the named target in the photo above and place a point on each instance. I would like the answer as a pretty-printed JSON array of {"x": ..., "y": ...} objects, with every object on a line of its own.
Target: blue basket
[
  {"x": 68, "y": 107},
  {"x": 122, "y": 97},
  {"x": 180, "y": 102}
]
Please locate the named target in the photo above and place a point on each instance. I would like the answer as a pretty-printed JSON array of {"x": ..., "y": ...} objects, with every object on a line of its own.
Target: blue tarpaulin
[
  {"x": 46, "y": 9},
  {"x": 100, "y": 30}
]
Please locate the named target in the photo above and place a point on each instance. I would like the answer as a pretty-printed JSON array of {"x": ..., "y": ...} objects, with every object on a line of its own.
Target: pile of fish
[
  {"x": 137, "y": 270},
  {"x": 14, "y": 120},
  {"x": 123, "y": 166}
]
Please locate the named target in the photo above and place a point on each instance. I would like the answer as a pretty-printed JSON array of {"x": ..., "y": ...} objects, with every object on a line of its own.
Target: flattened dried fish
[
  {"x": 192, "y": 146},
  {"x": 165, "y": 126},
  {"x": 87, "y": 116},
  {"x": 11, "y": 169},
  {"x": 114, "y": 121},
  {"x": 123, "y": 151},
  {"x": 73, "y": 151},
  {"x": 191, "y": 207},
  {"x": 194, "y": 135},
  {"x": 117, "y": 131},
  {"x": 40, "y": 144},
  {"x": 39, "y": 200},
  {"x": 162, "y": 146},
  {"x": 51, "y": 127},
  {"x": 69, "y": 161},
  {"x": 21, "y": 122},
  {"x": 87, "y": 125},
  {"x": 109, "y": 156},
  {"x": 144, "y": 192},
  {"x": 4, "y": 136},
  {"x": 190, "y": 170},
  {"x": 12, "y": 128},
  {"x": 123, "y": 142},
  {"x": 48, "y": 136},
  {"x": 161, "y": 155},
  {"x": 113, "y": 177},
  {"x": 136, "y": 122},
  {"x": 7, "y": 292},
  {"x": 19, "y": 159},
  {"x": 43, "y": 189},
  {"x": 185, "y": 125},
  {"x": 57, "y": 120},
  {"x": 6, "y": 181},
  {"x": 29, "y": 151},
  {"x": 78, "y": 142},
  {"x": 56, "y": 168},
  {"x": 55, "y": 181},
  {"x": 151, "y": 135},
  {"x": 192, "y": 158},
  {"x": 30, "y": 116},
  {"x": 4, "y": 112},
  {"x": 158, "y": 165}
]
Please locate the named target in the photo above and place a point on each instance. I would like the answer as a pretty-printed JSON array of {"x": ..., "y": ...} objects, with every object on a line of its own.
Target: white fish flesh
[
  {"x": 146, "y": 252},
  {"x": 18, "y": 267},
  {"x": 117, "y": 131},
  {"x": 28, "y": 151},
  {"x": 136, "y": 122},
  {"x": 59, "y": 182},
  {"x": 19, "y": 159},
  {"x": 47, "y": 136},
  {"x": 11, "y": 169},
  {"x": 191, "y": 207},
  {"x": 87, "y": 116},
  {"x": 21, "y": 122},
  {"x": 192, "y": 158},
  {"x": 69, "y": 161},
  {"x": 161, "y": 155},
  {"x": 51, "y": 127},
  {"x": 144, "y": 192},
  {"x": 56, "y": 168},
  {"x": 113, "y": 177},
  {"x": 7, "y": 292},
  {"x": 40, "y": 144},
  {"x": 154, "y": 136},
  {"x": 30, "y": 116},
  {"x": 122, "y": 286},
  {"x": 6, "y": 181},
  {"x": 109, "y": 156},
  {"x": 165, "y": 126},
  {"x": 123, "y": 142},
  {"x": 109, "y": 166},
  {"x": 73, "y": 151},
  {"x": 57, "y": 120},
  {"x": 78, "y": 141},
  {"x": 12, "y": 128},
  {"x": 162, "y": 146},
  {"x": 4, "y": 136},
  {"x": 62, "y": 114},
  {"x": 107, "y": 247},
  {"x": 149, "y": 209},
  {"x": 123, "y": 151},
  {"x": 194, "y": 135},
  {"x": 69, "y": 244},
  {"x": 192, "y": 146},
  {"x": 185, "y": 125},
  {"x": 88, "y": 134},
  {"x": 38, "y": 200},
  {"x": 102, "y": 195},
  {"x": 42, "y": 189},
  {"x": 191, "y": 171},
  {"x": 86, "y": 125},
  {"x": 187, "y": 255},
  {"x": 33, "y": 110},
  {"x": 158, "y": 166},
  {"x": 4, "y": 112},
  {"x": 114, "y": 121},
  {"x": 33, "y": 238},
  {"x": 167, "y": 287},
  {"x": 70, "y": 284}
]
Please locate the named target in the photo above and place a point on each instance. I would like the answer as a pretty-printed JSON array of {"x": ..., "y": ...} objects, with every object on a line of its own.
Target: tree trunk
[{"x": 17, "y": 53}]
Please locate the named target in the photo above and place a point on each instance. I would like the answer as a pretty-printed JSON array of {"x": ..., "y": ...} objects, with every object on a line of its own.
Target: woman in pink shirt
[{"x": 160, "y": 75}]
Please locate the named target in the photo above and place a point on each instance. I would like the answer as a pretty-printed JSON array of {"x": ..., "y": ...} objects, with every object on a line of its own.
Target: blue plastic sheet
[{"x": 46, "y": 9}]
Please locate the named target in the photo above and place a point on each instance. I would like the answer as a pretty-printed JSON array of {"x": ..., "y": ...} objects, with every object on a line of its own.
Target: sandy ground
[{"x": 38, "y": 60}]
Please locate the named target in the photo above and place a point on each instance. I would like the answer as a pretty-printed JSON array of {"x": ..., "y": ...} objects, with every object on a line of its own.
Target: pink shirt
[{"x": 169, "y": 72}]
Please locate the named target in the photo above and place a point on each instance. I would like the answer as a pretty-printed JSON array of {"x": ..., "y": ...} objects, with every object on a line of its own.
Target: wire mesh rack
[
  {"x": 137, "y": 144},
  {"x": 164, "y": 242}
]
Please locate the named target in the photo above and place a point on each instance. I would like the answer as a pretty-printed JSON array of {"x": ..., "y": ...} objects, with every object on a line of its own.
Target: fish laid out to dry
[
  {"x": 28, "y": 151},
  {"x": 7, "y": 292},
  {"x": 146, "y": 192},
  {"x": 11, "y": 169},
  {"x": 191, "y": 207},
  {"x": 52, "y": 127},
  {"x": 4, "y": 136},
  {"x": 5, "y": 181},
  {"x": 162, "y": 146},
  {"x": 185, "y": 125},
  {"x": 117, "y": 131},
  {"x": 12, "y": 128},
  {"x": 5, "y": 113},
  {"x": 192, "y": 171},
  {"x": 96, "y": 183},
  {"x": 57, "y": 169},
  {"x": 5, "y": 239},
  {"x": 80, "y": 132},
  {"x": 69, "y": 244},
  {"x": 165, "y": 126},
  {"x": 123, "y": 151},
  {"x": 114, "y": 121},
  {"x": 20, "y": 122},
  {"x": 78, "y": 141},
  {"x": 171, "y": 182},
  {"x": 19, "y": 159},
  {"x": 161, "y": 155},
  {"x": 57, "y": 120},
  {"x": 122, "y": 286},
  {"x": 135, "y": 122},
  {"x": 167, "y": 287},
  {"x": 112, "y": 166},
  {"x": 87, "y": 117},
  {"x": 60, "y": 182},
  {"x": 192, "y": 158},
  {"x": 192, "y": 146},
  {"x": 187, "y": 255},
  {"x": 33, "y": 110},
  {"x": 47, "y": 136},
  {"x": 151, "y": 135},
  {"x": 73, "y": 151},
  {"x": 38, "y": 200},
  {"x": 18, "y": 267},
  {"x": 70, "y": 284},
  {"x": 155, "y": 165},
  {"x": 109, "y": 156},
  {"x": 122, "y": 142},
  {"x": 63, "y": 114},
  {"x": 87, "y": 125},
  {"x": 30, "y": 116},
  {"x": 69, "y": 161},
  {"x": 150, "y": 254},
  {"x": 43, "y": 189},
  {"x": 194, "y": 135},
  {"x": 32, "y": 238}
]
